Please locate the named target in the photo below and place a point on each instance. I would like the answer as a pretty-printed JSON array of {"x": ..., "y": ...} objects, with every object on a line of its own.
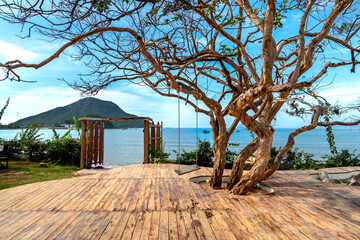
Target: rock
[{"x": 354, "y": 180}]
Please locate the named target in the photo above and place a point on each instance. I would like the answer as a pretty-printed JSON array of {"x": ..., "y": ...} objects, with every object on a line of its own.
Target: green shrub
[
  {"x": 306, "y": 161},
  {"x": 158, "y": 155},
  {"x": 11, "y": 147},
  {"x": 230, "y": 156},
  {"x": 64, "y": 151},
  {"x": 61, "y": 150},
  {"x": 30, "y": 133},
  {"x": 32, "y": 148},
  {"x": 294, "y": 159},
  {"x": 342, "y": 159},
  {"x": 204, "y": 155}
]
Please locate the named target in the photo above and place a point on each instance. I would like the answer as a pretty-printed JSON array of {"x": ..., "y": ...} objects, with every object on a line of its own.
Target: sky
[{"x": 48, "y": 92}]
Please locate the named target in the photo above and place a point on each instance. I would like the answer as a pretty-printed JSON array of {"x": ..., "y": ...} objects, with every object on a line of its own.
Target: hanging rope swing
[{"x": 195, "y": 166}]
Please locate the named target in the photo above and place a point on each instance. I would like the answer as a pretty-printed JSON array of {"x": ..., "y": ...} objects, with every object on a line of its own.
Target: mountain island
[{"x": 89, "y": 107}]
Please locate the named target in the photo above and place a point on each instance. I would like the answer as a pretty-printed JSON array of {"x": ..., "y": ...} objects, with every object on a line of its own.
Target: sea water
[{"x": 126, "y": 146}]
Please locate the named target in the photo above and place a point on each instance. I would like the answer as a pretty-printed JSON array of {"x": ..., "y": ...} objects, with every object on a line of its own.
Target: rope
[
  {"x": 179, "y": 128},
  {"x": 197, "y": 127}
]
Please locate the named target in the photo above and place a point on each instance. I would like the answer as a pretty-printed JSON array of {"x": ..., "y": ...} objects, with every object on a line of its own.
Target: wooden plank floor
[{"x": 153, "y": 202}]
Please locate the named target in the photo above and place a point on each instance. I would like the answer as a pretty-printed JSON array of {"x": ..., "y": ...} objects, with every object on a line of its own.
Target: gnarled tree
[{"x": 234, "y": 56}]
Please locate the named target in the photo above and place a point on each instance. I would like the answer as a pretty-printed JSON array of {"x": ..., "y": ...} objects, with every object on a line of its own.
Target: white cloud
[
  {"x": 133, "y": 99},
  {"x": 37, "y": 100},
  {"x": 13, "y": 52},
  {"x": 344, "y": 95}
]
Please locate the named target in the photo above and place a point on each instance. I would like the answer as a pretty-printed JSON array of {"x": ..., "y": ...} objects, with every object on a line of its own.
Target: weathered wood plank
[
  {"x": 173, "y": 225},
  {"x": 134, "y": 220},
  {"x": 154, "y": 232},
  {"x": 142, "y": 230},
  {"x": 83, "y": 226},
  {"x": 37, "y": 223},
  {"x": 163, "y": 225},
  {"x": 16, "y": 222},
  {"x": 65, "y": 216},
  {"x": 91, "y": 229},
  {"x": 152, "y": 202},
  {"x": 119, "y": 229}
]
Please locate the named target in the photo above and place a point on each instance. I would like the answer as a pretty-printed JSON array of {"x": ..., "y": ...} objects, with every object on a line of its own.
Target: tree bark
[
  {"x": 220, "y": 141},
  {"x": 219, "y": 148},
  {"x": 261, "y": 162},
  {"x": 239, "y": 163}
]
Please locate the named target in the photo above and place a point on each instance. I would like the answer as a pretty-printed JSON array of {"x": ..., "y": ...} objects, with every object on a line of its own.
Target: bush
[
  {"x": 230, "y": 156},
  {"x": 342, "y": 159},
  {"x": 204, "y": 155},
  {"x": 159, "y": 155},
  {"x": 306, "y": 161},
  {"x": 11, "y": 147},
  {"x": 295, "y": 160},
  {"x": 64, "y": 151},
  {"x": 33, "y": 149}
]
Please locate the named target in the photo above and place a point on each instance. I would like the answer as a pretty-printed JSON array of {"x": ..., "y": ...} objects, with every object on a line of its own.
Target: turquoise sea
[{"x": 125, "y": 146}]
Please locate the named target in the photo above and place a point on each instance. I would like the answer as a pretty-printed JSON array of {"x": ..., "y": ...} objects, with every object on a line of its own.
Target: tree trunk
[
  {"x": 261, "y": 162},
  {"x": 220, "y": 141},
  {"x": 239, "y": 163},
  {"x": 219, "y": 148}
]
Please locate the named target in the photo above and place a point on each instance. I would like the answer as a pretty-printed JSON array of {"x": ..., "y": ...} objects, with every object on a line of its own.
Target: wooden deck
[{"x": 152, "y": 202}]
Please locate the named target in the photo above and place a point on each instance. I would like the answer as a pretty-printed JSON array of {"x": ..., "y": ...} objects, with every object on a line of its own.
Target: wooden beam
[
  {"x": 146, "y": 141},
  {"x": 83, "y": 143},
  {"x": 115, "y": 119}
]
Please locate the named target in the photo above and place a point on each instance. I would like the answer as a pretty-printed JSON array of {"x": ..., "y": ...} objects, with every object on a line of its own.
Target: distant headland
[{"x": 62, "y": 117}]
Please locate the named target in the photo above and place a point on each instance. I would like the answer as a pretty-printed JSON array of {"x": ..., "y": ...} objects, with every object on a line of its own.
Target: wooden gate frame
[{"x": 152, "y": 137}]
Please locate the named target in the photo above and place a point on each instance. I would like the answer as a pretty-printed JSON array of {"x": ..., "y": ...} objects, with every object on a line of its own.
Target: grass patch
[{"x": 24, "y": 172}]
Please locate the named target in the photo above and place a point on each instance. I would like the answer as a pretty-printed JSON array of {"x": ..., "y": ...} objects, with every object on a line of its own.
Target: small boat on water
[{"x": 206, "y": 131}]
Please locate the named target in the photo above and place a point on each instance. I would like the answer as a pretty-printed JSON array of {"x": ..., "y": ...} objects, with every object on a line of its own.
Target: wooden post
[
  {"x": 162, "y": 131},
  {"x": 101, "y": 144},
  {"x": 91, "y": 145},
  {"x": 83, "y": 143},
  {"x": 96, "y": 143},
  {"x": 152, "y": 136},
  {"x": 158, "y": 132},
  {"x": 146, "y": 141}
]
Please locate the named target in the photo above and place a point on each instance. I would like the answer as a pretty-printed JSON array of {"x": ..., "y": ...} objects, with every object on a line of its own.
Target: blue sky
[{"x": 48, "y": 92}]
